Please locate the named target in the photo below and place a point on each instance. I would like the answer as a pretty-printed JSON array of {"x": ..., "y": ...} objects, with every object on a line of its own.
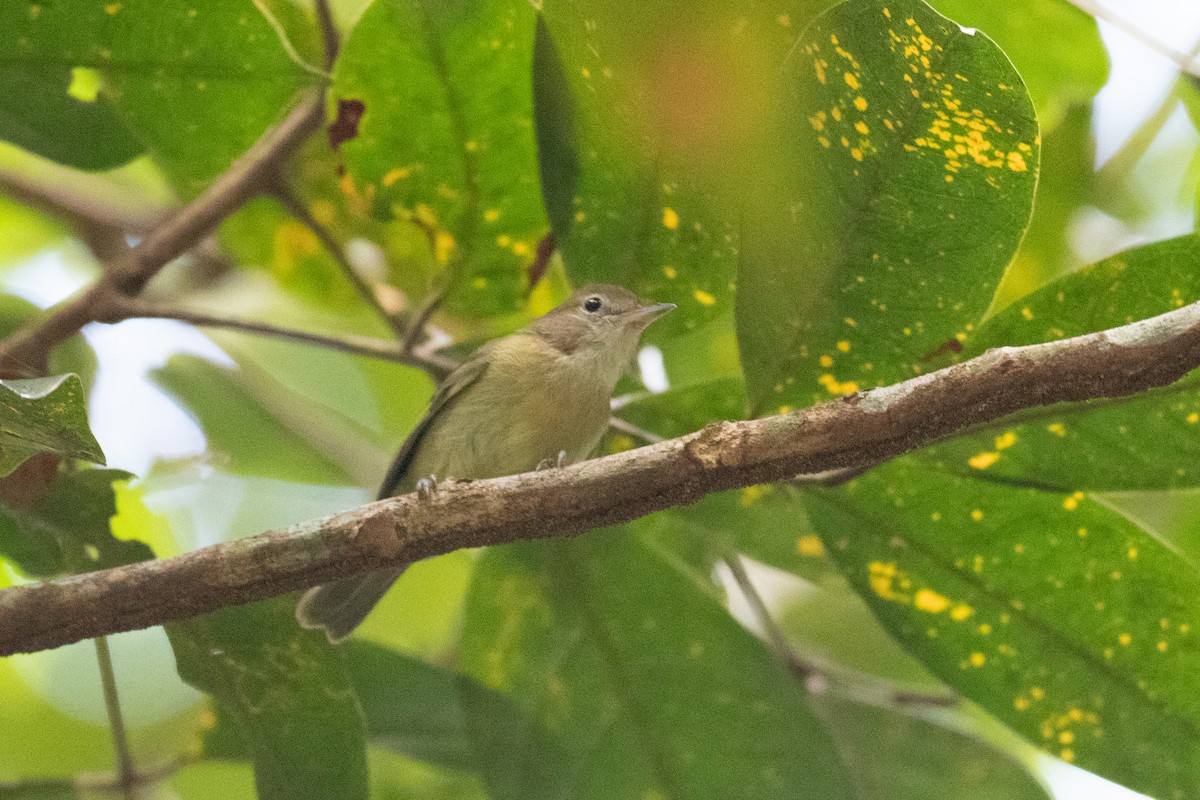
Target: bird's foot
[
  {"x": 552, "y": 463},
  {"x": 427, "y": 488}
]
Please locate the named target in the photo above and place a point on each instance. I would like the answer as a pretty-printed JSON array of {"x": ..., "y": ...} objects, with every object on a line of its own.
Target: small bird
[{"x": 535, "y": 398}]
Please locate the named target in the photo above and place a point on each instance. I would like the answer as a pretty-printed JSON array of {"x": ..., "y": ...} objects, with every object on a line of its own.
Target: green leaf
[
  {"x": 629, "y": 177},
  {"x": 1149, "y": 441},
  {"x": 1066, "y": 621},
  {"x": 196, "y": 83},
  {"x": 421, "y": 711},
  {"x": 41, "y": 790},
  {"x": 414, "y": 709},
  {"x": 288, "y": 694},
  {"x": 916, "y": 157},
  {"x": 44, "y": 415},
  {"x": 554, "y": 127},
  {"x": 1054, "y": 45},
  {"x": 38, "y": 114},
  {"x": 894, "y": 756},
  {"x": 67, "y": 529},
  {"x": 640, "y": 676},
  {"x": 446, "y": 139},
  {"x": 242, "y": 421}
]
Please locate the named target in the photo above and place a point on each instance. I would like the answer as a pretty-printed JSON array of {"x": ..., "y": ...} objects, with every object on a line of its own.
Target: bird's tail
[{"x": 339, "y": 607}]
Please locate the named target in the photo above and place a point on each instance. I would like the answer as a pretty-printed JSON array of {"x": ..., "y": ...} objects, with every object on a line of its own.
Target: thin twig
[
  {"x": 860, "y": 430},
  {"x": 118, "y": 309},
  {"x": 126, "y": 774},
  {"x": 813, "y": 676},
  {"x": 1184, "y": 61},
  {"x": 416, "y": 328},
  {"x": 294, "y": 206},
  {"x": 818, "y": 676}
]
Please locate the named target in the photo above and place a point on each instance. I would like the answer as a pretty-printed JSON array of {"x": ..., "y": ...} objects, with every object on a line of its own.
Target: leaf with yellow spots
[
  {"x": 1070, "y": 72},
  {"x": 1147, "y": 441},
  {"x": 1062, "y": 618},
  {"x": 196, "y": 83},
  {"x": 641, "y": 678},
  {"x": 446, "y": 141},
  {"x": 660, "y": 105},
  {"x": 900, "y": 213}
]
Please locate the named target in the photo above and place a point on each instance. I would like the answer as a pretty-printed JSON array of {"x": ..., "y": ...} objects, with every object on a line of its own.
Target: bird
[{"x": 536, "y": 398}]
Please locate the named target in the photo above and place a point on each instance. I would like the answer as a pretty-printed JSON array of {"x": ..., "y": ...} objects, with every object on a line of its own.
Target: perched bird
[{"x": 537, "y": 397}]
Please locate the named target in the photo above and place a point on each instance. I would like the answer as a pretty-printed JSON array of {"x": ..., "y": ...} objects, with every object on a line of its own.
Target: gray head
[{"x": 601, "y": 323}]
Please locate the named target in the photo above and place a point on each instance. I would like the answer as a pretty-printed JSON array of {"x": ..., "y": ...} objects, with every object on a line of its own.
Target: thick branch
[
  {"x": 858, "y": 431},
  {"x": 248, "y": 176}
]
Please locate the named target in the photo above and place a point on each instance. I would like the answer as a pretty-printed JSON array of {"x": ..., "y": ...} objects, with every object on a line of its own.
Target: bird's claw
[
  {"x": 427, "y": 488},
  {"x": 552, "y": 463}
]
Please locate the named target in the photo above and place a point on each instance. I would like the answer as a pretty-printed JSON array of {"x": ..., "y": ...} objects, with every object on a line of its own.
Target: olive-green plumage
[{"x": 517, "y": 403}]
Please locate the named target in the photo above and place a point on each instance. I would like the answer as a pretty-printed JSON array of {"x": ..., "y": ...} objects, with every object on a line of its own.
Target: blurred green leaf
[
  {"x": 446, "y": 140},
  {"x": 242, "y": 421},
  {"x": 1148, "y": 441},
  {"x": 196, "y": 83},
  {"x": 554, "y": 127},
  {"x": 287, "y": 692},
  {"x": 420, "y": 711},
  {"x": 1065, "y": 187},
  {"x": 916, "y": 161},
  {"x": 67, "y": 528},
  {"x": 633, "y": 178},
  {"x": 1066, "y": 621},
  {"x": 1054, "y": 45},
  {"x": 44, "y": 415},
  {"x": 641, "y": 678},
  {"x": 894, "y": 756},
  {"x": 38, "y": 114},
  {"x": 41, "y": 790}
]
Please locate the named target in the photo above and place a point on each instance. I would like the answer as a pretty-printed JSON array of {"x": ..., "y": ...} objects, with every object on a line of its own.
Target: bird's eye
[{"x": 592, "y": 304}]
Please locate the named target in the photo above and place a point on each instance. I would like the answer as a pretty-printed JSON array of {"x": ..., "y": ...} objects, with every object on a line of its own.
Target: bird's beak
[{"x": 644, "y": 315}]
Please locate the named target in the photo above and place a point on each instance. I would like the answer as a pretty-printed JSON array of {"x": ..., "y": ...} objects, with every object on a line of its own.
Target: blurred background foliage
[{"x": 837, "y": 198}]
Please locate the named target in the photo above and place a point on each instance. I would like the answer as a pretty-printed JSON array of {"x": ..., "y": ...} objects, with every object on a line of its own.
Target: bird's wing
[{"x": 451, "y": 388}]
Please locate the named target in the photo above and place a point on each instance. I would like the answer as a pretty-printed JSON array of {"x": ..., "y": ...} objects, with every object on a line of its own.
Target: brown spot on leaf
[
  {"x": 951, "y": 345},
  {"x": 345, "y": 125}
]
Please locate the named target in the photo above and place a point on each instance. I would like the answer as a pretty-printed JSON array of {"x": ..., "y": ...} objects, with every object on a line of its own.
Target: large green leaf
[
  {"x": 911, "y": 185},
  {"x": 44, "y": 415},
  {"x": 894, "y": 756},
  {"x": 38, "y": 114},
  {"x": 1149, "y": 441},
  {"x": 446, "y": 137},
  {"x": 1066, "y": 621},
  {"x": 66, "y": 529},
  {"x": 1053, "y": 44},
  {"x": 640, "y": 676},
  {"x": 637, "y": 175},
  {"x": 196, "y": 83},
  {"x": 242, "y": 421},
  {"x": 288, "y": 694}
]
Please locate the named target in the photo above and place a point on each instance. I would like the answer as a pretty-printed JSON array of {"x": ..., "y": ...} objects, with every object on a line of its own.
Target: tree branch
[
  {"x": 249, "y": 176},
  {"x": 854, "y": 432}
]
